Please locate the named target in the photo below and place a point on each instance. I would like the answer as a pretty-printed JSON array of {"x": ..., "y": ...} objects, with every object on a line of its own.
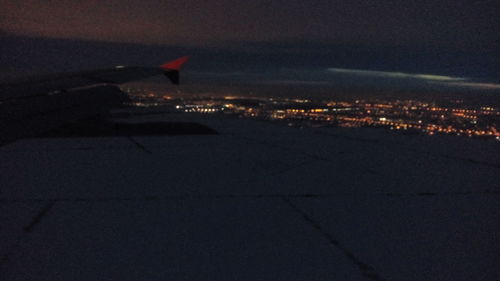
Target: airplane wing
[{"x": 35, "y": 105}]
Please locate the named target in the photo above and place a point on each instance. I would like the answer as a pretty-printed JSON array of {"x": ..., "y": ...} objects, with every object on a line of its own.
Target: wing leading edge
[{"x": 64, "y": 82}]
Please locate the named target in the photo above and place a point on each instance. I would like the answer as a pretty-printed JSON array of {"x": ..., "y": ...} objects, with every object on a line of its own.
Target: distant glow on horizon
[
  {"x": 491, "y": 86},
  {"x": 390, "y": 74},
  {"x": 293, "y": 82}
]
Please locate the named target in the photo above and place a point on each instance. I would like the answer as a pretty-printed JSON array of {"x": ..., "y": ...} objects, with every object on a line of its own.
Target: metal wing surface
[{"x": 33, "y": 105}]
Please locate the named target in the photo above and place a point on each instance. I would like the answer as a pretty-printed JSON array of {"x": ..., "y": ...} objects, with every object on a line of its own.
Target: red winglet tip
[{"x": 175, "y": 64}]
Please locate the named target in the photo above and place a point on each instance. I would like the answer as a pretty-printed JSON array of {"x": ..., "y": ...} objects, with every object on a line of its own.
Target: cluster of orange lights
[
  {"x": 359, "y": 121},
  {"x": 396, "y": 115},
  {"x": 316, "y": 110},
  {"x": 430, "y": 129}
]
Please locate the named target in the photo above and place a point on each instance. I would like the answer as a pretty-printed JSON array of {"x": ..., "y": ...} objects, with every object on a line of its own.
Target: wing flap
[{"x": 31, "y": 116}]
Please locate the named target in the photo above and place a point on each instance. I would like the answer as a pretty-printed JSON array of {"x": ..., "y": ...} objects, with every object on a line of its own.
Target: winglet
[
  {"x": 172, "y": 69},
  {"x": 175, "y": 64}
]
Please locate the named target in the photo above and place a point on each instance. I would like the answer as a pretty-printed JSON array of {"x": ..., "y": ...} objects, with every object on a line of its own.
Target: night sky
[
  {"x": 453, "y": 37},
  {"x": 390, "y": 22}
]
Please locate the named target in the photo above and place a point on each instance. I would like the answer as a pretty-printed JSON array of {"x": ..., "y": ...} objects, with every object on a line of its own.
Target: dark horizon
[{"x": 286, "y": 61}]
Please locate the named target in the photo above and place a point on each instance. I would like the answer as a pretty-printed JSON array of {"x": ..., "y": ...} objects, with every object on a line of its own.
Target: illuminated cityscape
[{"x": 451, "y": 117}]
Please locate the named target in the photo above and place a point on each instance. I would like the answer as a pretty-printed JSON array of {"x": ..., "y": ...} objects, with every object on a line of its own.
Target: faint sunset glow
[
  {"x": 477, "y": 85},
  {"x": 390, "y": 74}
]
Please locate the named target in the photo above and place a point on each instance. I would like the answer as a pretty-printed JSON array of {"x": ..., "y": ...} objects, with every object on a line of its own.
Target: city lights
[{"x": 426, "y": 117}]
